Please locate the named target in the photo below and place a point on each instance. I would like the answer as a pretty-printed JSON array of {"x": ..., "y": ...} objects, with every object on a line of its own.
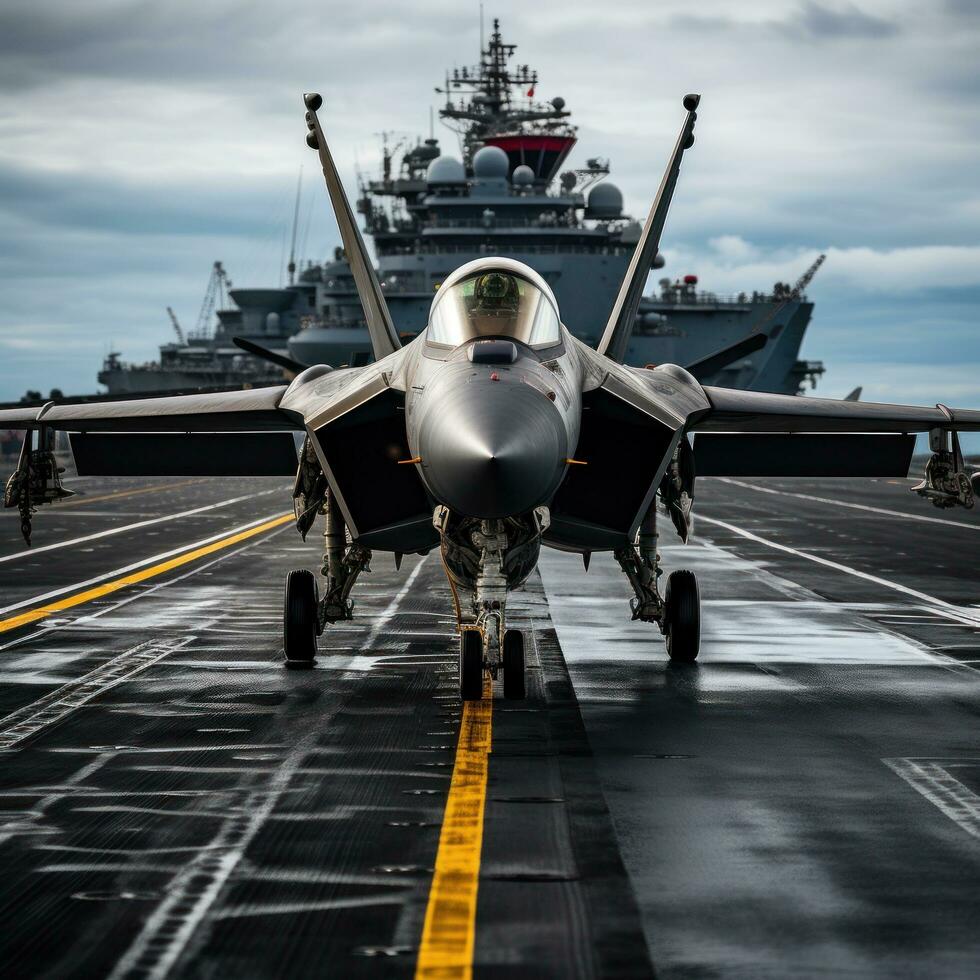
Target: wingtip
[
  {"x": 691, "y": 101},
  {"x": 312, "y": 100}
]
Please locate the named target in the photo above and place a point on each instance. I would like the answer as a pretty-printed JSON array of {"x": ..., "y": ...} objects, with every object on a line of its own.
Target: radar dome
[
  {"x": 605, "y": 201},
  {"x": 445, "y": 170},
  {"x": 490, "y": 163},
  {"x": 523, "y": 176}
]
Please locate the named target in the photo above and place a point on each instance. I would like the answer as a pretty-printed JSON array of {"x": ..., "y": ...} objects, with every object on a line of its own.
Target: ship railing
[
  {"x": 498, "y": 222},
  {"x": 516, "y": 248},
  {"x": 681, "y": 298}
]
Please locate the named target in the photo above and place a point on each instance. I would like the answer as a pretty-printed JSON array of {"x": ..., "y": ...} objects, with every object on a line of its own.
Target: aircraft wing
[
  {"x": 749, "y": 433},
  {"x": 224, "y": 411},
  {"x": 753, "y": 411}
]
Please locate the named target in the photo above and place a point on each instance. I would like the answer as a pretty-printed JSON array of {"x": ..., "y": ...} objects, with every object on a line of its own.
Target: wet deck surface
[{"x": 804, "y": 803}]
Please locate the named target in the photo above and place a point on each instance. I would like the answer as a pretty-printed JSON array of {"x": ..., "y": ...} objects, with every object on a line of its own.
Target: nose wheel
[
  {"x": 472, "y": 664},
  {"x": 514, "y": 665},
  {"x": 682, "y": 616},
  {"x": 299, "y": 622}
]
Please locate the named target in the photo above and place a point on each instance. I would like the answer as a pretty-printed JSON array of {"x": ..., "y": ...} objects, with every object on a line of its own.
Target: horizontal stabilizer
[
  {"x": 381, "y": 327},
  {"x": 269, "y": 355},
  {"x": 713, "y": 363},
  {"x": 807, "y": 454},
  {"x": 616, "y": 335},
  {"x": 184, "y": 454}
]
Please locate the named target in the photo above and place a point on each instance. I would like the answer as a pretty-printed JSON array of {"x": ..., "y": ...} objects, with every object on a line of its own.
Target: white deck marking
[
  {"x": 152, "y": 560},
  {"x": 382, "y": 621},
  {"x": 961, "y": 614},
  {"x": 844, "y": 503},
  {"x": 28, "y": 823},
  {"x": 59, "y": 624},
  {"x": 40, "y": 714},
  {"x": 931, "y": 779},
  {"x": 321, "y": 905},
  {"x": 196, "y": 886},
  {"x": 29, "y": 552}
]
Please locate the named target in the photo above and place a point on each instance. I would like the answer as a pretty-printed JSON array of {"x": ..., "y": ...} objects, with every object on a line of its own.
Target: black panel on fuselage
[
  {"x": 624, "y": 449},
  {"x": 386, "y": 503}
]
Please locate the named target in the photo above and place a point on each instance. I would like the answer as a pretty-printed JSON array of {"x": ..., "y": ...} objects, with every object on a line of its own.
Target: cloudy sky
[{"x": 140, "y": 141}]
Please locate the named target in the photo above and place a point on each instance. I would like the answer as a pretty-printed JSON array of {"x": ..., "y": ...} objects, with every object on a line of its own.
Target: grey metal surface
[{"x": 770, "y": 813}]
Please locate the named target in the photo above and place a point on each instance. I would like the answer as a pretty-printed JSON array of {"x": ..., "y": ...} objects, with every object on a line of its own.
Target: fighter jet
[{"x": 492, "y": 433}]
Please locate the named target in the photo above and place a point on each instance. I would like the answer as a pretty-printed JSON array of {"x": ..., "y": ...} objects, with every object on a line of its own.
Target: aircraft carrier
[
  {"x": 506, "y": 194},
  {"x": 805, "y": 802}
]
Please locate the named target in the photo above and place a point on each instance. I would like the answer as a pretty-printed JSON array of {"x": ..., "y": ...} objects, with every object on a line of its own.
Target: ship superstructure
[{"x": 505, "y": 191}]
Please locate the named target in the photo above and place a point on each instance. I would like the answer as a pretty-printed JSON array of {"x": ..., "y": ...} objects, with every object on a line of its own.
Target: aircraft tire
[
  {"x": 682, "y": 614},
  {"x": 299, "y": 618},
  {"x": 471, "y": 665},
  {"x": 514, "y": 665}
]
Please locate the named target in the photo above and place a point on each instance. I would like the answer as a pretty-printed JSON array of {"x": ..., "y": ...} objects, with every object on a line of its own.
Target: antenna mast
[{"x": 291, "y": 268}]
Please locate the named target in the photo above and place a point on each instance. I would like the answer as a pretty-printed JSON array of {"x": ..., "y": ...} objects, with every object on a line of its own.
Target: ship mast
[
  {"x": 291, "y": 268},
  {"x": 494, "y": 98}
]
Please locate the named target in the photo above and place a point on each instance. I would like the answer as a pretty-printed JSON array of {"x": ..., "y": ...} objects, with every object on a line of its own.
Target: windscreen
[{"x": 493, "y": 304}]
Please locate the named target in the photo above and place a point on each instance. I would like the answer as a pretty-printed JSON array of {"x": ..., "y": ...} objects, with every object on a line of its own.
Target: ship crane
[
  {"x": 807, "y": 276},
  {"x": 218, "y": 286},
  {"x": 177, "y": 328}
]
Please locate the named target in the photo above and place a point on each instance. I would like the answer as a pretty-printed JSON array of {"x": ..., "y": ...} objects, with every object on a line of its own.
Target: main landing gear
[
  {"x": 678, "y": 611},
  {"x": 305, "y": 612}
]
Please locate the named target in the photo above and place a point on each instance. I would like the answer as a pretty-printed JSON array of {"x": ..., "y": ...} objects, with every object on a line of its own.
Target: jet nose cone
[{"x": 492, "y": 449}]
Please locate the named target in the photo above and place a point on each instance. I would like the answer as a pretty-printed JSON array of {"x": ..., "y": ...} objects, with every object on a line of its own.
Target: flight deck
[{"x": 803, "y": 802}]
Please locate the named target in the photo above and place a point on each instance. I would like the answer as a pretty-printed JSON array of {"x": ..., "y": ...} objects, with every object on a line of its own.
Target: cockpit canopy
[{"x": 494, "y": 301}]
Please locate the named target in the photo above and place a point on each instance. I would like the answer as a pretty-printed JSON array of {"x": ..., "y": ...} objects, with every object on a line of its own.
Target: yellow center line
[
  {"x": 449, "y": 932},
  {"x": 42, "y": 612},
  {"x": 76, "y": 501}
]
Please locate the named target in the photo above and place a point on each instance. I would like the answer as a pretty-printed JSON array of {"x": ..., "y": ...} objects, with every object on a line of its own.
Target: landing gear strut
[{"x": 678, "y": 611}]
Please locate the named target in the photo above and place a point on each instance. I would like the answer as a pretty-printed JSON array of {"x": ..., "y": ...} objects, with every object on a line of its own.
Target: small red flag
[{"x": 530, "y": 92}]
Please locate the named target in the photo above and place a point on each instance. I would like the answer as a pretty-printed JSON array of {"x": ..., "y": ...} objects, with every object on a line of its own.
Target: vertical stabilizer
[
  {"x": 381, "y": 328},
  {"x": 615, "y": 337}
]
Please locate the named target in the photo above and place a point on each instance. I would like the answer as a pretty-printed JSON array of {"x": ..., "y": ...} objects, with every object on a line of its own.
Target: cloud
[
  {"x": 141, "y": 141},
  {"x": 730, "y": 263},
  {"x": 819, "y": 20}
]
